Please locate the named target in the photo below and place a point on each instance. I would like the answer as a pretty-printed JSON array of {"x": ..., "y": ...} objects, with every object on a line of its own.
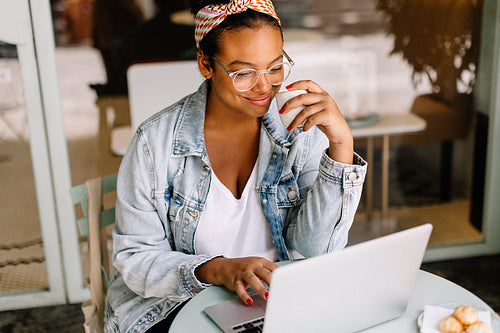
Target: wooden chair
[{"x": 90, "y": 197}]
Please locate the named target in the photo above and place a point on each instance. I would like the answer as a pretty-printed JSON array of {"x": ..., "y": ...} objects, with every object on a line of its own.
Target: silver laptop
[{"x": 346, "y": 291}]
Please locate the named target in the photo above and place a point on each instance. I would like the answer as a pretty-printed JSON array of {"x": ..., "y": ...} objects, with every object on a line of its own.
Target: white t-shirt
[{"x": 234, "y": 227}]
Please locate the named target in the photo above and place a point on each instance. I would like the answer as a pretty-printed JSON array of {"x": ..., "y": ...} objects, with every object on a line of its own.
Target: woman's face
[{"x": 257, "y": 48}]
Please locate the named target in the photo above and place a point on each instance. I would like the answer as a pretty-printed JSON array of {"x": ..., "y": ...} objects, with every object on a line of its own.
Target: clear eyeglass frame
[{"x": 256, "y": 73}]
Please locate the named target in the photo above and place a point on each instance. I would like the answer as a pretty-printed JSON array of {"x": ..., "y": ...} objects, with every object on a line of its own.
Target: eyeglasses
[{"x": 246, "y": 79}]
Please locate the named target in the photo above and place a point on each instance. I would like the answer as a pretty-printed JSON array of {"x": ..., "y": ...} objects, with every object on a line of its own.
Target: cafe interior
[{"x": 417, "y": 81}]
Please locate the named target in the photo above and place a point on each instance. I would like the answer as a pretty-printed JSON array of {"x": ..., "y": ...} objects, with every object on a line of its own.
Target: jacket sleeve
[
  {"x": 330, "y": 196},
  {"x": 143, "y": 250}
]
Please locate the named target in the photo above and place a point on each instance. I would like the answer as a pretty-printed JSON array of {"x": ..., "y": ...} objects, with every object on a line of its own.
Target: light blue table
[{"x": 429, "y": 289}]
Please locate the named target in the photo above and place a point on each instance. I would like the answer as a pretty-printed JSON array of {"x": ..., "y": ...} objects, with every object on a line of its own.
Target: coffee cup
[{"x": 281, "y": 98}]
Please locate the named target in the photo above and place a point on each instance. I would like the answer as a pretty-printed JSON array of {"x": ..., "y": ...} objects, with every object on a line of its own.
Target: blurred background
[{"x": 420, "y": 62}]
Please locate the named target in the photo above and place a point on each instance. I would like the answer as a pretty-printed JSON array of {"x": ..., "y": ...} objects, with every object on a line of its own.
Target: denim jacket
[{"x": 308, "y": 199}]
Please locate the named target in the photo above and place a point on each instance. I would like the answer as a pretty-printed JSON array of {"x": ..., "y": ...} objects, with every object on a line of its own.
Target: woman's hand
[
  {"x": 238, "y": 275},
  {"x": 322, "y": 111}
]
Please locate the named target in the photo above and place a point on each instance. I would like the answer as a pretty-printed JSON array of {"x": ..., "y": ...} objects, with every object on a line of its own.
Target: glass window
[
  {"x": 384, "y": 61},
  {"x": 22, "y": 260}
]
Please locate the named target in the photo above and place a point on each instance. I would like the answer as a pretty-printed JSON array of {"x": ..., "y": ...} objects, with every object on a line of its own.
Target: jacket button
[
  {"x": 150, "y": 317},
  {"x": 264, "y": 200},
  {"x": 274, "y": 155},
  {"x": 292, "y": 195},
  {"x": 352, "y": 176}
]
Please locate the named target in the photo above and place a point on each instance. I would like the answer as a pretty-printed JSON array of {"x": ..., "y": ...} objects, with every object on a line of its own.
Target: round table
[{"x": 429, "y": 289}]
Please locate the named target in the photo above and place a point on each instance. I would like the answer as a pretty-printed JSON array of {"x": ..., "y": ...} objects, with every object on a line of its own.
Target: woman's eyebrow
[{"x": 245, "y": 63}]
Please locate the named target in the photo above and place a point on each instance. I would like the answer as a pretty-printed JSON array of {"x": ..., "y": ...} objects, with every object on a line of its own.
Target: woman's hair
[{"x": 247, "y": 19}]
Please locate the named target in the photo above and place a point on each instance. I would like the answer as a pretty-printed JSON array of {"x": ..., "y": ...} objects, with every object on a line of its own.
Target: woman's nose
[{"x": 262, "y": 84}]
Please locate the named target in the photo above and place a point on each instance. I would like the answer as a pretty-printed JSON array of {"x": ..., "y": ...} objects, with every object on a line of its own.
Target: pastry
[
  {"x": 450, "y": 325},
  {"x": 465, "y": 314},
  {"x": 479, "y": 327}
]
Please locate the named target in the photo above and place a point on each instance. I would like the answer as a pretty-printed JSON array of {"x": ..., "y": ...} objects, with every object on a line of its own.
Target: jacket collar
[
  {"x": 188, "y": 134},
  {"x": 278, "y": 133}
]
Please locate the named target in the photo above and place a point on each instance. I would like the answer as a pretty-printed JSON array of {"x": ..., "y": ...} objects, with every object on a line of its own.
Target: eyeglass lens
[{"x": 246, "y": 79}]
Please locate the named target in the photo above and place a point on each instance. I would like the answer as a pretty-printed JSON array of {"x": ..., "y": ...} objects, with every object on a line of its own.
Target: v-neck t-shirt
[{"x": 234, "y": 227}]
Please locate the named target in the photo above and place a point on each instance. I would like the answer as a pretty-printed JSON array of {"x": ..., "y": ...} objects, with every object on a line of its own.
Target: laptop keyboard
[{"x": 253, "y": 326}]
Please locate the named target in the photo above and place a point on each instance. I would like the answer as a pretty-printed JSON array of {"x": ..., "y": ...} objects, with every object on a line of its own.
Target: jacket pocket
[{"x": 288, "y": 194}]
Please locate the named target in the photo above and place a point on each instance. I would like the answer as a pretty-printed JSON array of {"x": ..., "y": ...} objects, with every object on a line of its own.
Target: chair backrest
[
  {"x": 90, "y": 197},
  {"x": 156, "y": 85},
  {"x": 80, "y": 195}
]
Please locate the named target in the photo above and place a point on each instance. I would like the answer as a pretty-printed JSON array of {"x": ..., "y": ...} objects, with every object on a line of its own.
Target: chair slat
[
  {"x": 80, "y": 195},
  {"x": 105, "y": 277},
  {"x": 109, "y": 183},
  {"x": 107, "y": 218}
]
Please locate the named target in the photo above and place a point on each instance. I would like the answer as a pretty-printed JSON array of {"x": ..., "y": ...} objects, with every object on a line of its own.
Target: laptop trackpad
[{"x": 233, "y": 312}]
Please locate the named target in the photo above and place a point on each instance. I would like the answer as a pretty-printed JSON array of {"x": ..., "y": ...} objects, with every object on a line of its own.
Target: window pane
[
  {"x": 347, "y": 45},
  {"x": 423, "y": 68},
  {"x": 22, "y": 261}
]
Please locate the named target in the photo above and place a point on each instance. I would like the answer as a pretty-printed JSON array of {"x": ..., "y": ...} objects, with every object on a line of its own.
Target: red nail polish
[
  {"x": 266, "y": 295},
  {"x": 249, "y": 301},
  {"x": 289, "y": 128},
  {"x": 288, "y": 86},
  {"x": 281, "y": 110}
]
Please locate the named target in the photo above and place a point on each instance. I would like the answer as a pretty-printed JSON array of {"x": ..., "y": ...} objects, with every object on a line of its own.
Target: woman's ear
[{"x": 204, "y": 65}]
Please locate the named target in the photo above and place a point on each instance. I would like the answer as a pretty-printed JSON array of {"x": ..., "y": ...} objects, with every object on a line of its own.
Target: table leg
[
  {"x": 385, "y": 184},
  {"x": 369, "y": 178}
]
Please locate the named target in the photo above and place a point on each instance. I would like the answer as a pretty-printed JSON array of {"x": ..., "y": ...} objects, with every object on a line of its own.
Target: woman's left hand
[{"x": 322, "y": 111}]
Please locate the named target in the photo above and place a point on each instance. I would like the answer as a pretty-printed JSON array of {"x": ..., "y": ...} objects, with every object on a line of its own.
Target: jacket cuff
[
  {"x": 350, "y": 175},
  {"x": 191, "y": 284}
]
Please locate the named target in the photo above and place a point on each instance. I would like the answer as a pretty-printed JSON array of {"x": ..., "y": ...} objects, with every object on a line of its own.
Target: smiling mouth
[{"x": 261, "y": 100}]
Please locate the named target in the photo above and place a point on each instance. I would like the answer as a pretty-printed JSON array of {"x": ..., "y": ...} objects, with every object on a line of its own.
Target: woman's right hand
[{"x": 238, "y": 274}]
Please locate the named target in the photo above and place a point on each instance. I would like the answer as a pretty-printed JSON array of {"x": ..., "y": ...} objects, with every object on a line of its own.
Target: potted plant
[{"x": 440, "y": 41}]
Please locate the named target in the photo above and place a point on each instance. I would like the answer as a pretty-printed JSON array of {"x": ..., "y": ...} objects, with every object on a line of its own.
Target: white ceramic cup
[{"x": 281, "y": 98}]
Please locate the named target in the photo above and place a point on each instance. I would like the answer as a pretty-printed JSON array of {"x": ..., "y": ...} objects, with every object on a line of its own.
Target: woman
[{"x": 214, "y": 189}]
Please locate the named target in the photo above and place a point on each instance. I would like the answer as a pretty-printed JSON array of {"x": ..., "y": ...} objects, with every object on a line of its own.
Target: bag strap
[{"x": 94, "y": 243}]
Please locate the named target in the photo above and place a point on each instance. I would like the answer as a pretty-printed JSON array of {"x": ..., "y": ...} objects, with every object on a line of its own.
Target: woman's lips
[{"x": 261, "y": 100}]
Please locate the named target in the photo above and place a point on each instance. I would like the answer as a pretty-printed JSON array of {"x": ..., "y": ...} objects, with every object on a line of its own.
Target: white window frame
[{"x": 28, "y": 25}]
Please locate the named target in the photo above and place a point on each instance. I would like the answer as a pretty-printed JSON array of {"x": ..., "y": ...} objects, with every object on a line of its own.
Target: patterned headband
[{"x": 212, "y": 15}]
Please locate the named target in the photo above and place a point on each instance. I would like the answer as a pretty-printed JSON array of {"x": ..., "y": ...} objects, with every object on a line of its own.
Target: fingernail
[
  {"x": 266, "y": 295},
  {"x": 288, "y": 86},
  {"x": 289, "y": 128},
  {"x": 281, "y": 110},
  {"x": 249, "y": 301}
]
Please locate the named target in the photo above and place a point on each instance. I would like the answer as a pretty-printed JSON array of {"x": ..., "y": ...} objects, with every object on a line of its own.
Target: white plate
[{"x": 451, "y": 306}]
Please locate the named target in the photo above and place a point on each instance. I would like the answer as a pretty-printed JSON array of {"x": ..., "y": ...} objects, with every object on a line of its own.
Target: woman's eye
[
  {"x": 276, "y": 69},
  {"x": 244, "y": 74}
]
